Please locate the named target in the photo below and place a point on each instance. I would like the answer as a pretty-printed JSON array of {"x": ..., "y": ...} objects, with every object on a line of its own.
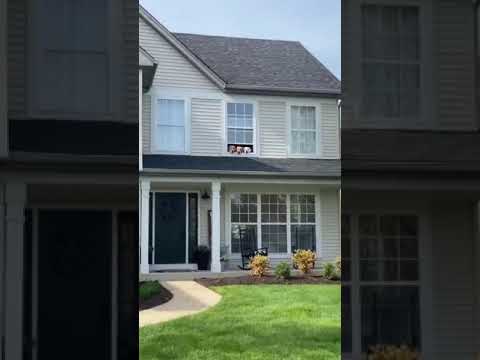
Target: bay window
[
  {"x": 278, "y": 220},
  {"x": 303, "y": 130},
  {"x": 240, "y": 128},
  {"x": 170, "y": 126}
]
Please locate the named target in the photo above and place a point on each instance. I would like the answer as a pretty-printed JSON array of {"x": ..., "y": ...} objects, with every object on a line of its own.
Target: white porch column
[
  {"x": 15, "y": 198},
  {"x": 144, "y": 221},
  {"x": 140, "y": 118},
  {"x": 215, "y": 265}
]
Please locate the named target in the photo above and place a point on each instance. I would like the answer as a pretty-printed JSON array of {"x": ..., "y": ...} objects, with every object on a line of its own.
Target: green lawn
[{"x": 254, "y": 322}]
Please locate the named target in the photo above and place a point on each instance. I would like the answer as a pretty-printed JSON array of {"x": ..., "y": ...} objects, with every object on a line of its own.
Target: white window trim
[
  {"x": 113, "y": 53},
  {"x": 255, "y": 152},
  {"x": 318, "y": 144},
  {"x": 153, "y": 127},
  {"x": 288, "y": 254}
]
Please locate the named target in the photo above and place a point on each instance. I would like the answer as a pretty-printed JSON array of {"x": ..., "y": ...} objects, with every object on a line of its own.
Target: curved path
[{"x": 189, "y": 297}]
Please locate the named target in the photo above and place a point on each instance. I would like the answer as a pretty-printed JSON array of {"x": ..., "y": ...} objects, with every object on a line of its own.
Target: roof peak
[{"x": 236, "y": 37}]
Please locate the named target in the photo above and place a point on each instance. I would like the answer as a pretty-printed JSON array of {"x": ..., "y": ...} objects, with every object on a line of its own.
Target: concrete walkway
[{"x": 189, "y": 297}]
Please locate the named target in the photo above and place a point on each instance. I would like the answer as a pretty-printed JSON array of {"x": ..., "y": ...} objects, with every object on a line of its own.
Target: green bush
[
  {"x": 329, "y": 271},
  {"x": 148, "y": 289},
  {"x": 283, "y": 270}
]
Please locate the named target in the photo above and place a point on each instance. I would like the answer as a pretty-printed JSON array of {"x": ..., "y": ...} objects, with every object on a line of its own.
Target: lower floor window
[
  {"x": 385, "y": 279},
  {"x": 285, "y": 223}
]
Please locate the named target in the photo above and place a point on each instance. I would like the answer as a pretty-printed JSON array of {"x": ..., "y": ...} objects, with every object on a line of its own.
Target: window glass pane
[
  {"x": 170, "y": 138},
  {"x": 243, "y": 237},
  {"x": 303, "y": 237},
  {"x": 274, "y": 237},
  {"x": 240, "y": 128},
  {"x": 170, "y": 125},
  {"x": 171, "y": 112},
  {"x": 391, "y": 68},
  {"x": 390, "y": 315}
]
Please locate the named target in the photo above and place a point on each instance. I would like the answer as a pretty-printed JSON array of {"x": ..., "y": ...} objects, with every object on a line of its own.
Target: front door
[
  {"x": 74, "y": 254},
  {"x": 170, "y": 228}
]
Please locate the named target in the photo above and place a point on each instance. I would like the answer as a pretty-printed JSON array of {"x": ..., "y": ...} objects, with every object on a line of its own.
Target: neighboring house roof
[
  {"x": 242, "y": 165},
  {"x": 410, "y": 151},
  {"x": 257, "y": 64},
  {"x": 148, "y": 64},
  {"x": 252, "y": 65}
]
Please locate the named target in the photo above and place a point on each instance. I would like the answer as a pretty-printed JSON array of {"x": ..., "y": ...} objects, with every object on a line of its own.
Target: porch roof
[
  {"x": 410, "y": 151},
  {"x": 229, "y": 165}
]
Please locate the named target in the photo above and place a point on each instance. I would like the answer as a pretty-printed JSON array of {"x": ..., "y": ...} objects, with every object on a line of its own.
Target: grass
[
  {"x": 148, "y": 289},
  {"x": 253, "y": 322}
]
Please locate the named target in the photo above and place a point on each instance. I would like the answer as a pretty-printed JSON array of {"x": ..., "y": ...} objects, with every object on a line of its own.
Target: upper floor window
[
  {"x": 240, "y": 128},
  {"x": 169, "y": 126},
  {"x": 303, "y": 128},
  {"x": 70, "y": 69},
  {"x": 390, "y": 61}
]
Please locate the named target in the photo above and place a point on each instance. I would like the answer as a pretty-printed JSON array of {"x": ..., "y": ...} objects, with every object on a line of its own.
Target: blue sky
[{"x": 315, "y": 23}]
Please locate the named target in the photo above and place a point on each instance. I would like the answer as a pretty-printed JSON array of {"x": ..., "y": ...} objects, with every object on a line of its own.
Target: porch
[{"x": 179, "y": 214}]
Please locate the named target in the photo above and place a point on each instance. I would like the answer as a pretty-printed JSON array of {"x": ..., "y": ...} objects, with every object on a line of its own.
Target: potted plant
[{"x": 202, "y": 257}]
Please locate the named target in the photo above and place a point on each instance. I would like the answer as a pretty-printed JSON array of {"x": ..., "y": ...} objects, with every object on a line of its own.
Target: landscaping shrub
[
  {"x": 283, "y": 270},
  {"x": 391, "y": 352},
  {"x": 148, "y": 289},
  {"x": 338, "y": 267},
  {"x": 259, "y": 265},
  {"x": 304, "y": 260},
  {"x": 329, "y": 271}
]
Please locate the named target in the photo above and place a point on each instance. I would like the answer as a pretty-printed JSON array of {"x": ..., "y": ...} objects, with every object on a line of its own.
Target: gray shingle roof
[
  {"x": 226, "y": 164},
  {"x": 249, "y": 64}
]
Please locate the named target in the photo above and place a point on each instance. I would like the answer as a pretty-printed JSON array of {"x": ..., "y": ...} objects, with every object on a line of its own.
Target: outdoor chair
[{"x": 248, "y": 248}]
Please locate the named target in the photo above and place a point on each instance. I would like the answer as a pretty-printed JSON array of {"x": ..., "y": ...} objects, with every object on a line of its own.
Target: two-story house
[
  {"x": 410, "y": 177},
  {"x": 240, "y": 147},
  {"x": 68, "y": 179}
]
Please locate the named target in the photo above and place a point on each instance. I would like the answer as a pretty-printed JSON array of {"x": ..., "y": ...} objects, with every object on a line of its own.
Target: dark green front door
[{"x": 170, "y": 228}]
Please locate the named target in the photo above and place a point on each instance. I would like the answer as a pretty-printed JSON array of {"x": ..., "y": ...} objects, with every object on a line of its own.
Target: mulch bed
[
  {"x": 158, "y": 299},
  {"x": 267, "y": 279}
]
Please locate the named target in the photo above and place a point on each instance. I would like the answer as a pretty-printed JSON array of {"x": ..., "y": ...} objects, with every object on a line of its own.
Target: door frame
[
  {"x": 186, "y": 265},
  {"x": 114, "y": 210}
]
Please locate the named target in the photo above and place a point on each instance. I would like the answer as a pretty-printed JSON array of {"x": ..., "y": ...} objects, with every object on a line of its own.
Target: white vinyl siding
[
  {"x": 454, "y": 29},
  {"x": 453, "y": 281},
  {"x": 207, "y": 127},
  {"x": 174, "y": 70},
  {"x": 329, "y": 130},
  {"x": 330, "y": 225},
  {"x": 273, "y": 128},
  {"x": 146, "y": 122}
]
